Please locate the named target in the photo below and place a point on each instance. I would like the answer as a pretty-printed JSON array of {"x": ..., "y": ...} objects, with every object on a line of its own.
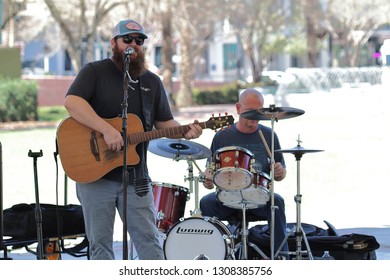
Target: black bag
[
  {"x": 345, "y": 247},
  {"x": 57, "y": 221}
]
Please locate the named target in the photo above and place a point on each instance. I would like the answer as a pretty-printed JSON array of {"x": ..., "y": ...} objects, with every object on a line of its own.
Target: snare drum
[
  {"x": 257, "y": 195},
  {"x": 232, "y": 168},
  {"x": 198, "y": 238},
  {"x": 170, "y": 202}
]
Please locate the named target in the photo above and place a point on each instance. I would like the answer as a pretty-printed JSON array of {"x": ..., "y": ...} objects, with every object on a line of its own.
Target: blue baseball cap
[{"x": 128, "y": 26}]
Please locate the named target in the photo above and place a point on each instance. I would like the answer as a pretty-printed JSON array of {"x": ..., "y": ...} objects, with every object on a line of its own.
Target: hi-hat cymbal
[
  {"x": 178, "y": 149},
  {"x": 298, "y": 150},
  {"x": 277, "y": 113}
]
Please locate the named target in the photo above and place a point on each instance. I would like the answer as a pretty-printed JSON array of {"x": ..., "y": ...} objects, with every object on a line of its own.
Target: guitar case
[
  {"x": 57, "y": 221},
  {"x": 340, "y": 247}
]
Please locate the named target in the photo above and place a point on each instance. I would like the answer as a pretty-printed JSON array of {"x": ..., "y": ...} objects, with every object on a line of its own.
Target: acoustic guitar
[{"x": 85, "y": 156}]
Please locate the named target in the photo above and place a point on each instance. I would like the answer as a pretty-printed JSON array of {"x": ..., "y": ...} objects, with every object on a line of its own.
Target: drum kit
[{"x": 240, "y": 185}]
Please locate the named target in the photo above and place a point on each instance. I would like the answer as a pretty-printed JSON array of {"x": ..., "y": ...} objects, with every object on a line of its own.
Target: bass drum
[{"x": 198, "y": 238}]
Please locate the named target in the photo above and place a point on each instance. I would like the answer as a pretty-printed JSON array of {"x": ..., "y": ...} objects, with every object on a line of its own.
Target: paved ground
[{"x": 345, "y": 185}]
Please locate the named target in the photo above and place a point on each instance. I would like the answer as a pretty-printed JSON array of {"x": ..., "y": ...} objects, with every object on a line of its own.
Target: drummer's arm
[
  {"x": 280, "y": 172},
  {"x": 194, "y": 132}
]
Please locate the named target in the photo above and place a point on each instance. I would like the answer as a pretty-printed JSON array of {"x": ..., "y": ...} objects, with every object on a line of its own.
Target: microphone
[
  {"x": 129, "y": 51},
  {"x": 141, "y": 186}
]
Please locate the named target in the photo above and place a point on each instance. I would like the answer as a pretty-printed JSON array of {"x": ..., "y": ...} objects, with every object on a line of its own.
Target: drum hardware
[
  {"x": 178, "y": 149},
  {"x": 242, "y": 247},
  {"x": 191, "y": 179},
  {"x": 159, "y": 218},
  {"x": 273, "y": 114},
  {"x": 201, "y": 257},
  {"x": 249, "y": 198},
  {"x": 298, "y": 231}
]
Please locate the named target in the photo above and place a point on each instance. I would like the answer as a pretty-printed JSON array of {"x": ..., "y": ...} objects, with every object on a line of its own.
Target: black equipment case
[{"x": 344, "y": 247}]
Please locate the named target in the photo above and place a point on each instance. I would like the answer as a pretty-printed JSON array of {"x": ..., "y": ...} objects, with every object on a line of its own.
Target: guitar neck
[{"x": 139, "y": 137}]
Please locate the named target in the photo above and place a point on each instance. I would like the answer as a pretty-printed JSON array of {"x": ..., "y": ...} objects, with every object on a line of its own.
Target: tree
[
  {"x": 79, "y": 22},
  {"x": 167, "y": 51},
  {"x": 195, "y": 23},
  {"x": 314, "y": 20},
  {"x": 10, "y": 10},
  {"x": 161, "y": 23},
  {"x": 353, "y": 23},
  {"x": 262, "y": 29}
]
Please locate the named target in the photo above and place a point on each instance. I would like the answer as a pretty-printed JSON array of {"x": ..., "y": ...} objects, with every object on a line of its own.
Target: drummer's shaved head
[
  {"x": 250, "y": 99},
  {"x": 249, "y": 93}
]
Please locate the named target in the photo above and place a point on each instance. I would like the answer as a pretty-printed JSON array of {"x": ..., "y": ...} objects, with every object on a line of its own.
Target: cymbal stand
[
  {"x": 191, "y": 179},
  {"x": 298, "y": 229},
  {"x": 273, "y": 207},
  {"x": 243, "y": 245}
]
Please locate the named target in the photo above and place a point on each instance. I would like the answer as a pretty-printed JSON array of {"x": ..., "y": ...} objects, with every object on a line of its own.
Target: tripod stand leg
[
  {"x": 257, "y": 249},
  {"x": 279, "y": 251},
  {"x": 309, "y": 253},
  {"x": 244, "y": 233},
  {"x": 242, "y": 247}
]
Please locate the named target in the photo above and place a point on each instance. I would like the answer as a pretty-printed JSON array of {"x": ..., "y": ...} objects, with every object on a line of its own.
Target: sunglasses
[{"x": 127, "y": 39}]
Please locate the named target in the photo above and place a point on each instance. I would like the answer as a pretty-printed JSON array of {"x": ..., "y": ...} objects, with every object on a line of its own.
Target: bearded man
[{"x": 97, "y": 94}]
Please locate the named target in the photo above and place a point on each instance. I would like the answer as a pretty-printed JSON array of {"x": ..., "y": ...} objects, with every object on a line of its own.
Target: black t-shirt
[{"x": 100, "y": 83}]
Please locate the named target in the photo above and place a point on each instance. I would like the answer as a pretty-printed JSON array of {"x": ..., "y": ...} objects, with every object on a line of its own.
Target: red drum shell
[
  {"x": 170, "y": 202},
  {"x": 232, "y": 168}
]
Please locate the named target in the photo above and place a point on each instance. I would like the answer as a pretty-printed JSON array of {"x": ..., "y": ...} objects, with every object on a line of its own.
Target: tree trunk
[
  {"x": 167, "y": 54},
  {"x": 184, "y": 95},
  {"x": 309, "y": 8}
]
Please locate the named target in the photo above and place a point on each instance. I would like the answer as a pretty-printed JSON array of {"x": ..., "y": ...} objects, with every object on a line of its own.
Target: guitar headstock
[{"x": 219, "y": 122}]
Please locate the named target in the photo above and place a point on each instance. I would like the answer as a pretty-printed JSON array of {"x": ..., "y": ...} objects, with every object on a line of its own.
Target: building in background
[{"x": 222, "y": 61}]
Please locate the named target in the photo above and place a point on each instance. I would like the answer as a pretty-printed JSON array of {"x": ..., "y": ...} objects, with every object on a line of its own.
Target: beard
[{"x": 136, "y": 66}]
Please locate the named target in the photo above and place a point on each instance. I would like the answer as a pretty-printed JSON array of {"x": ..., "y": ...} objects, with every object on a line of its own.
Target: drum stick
[{"x": 265, "y": 143}]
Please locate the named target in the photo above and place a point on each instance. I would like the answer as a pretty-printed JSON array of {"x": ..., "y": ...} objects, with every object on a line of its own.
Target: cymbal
[
  {"x": 298, "y": 150},
  {"x": 178, "y": 149},
  {"x": 277, "y": 113}
]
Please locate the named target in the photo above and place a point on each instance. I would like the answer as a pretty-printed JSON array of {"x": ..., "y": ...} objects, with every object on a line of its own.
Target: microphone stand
[
  {"x": 125, "y": 174},
  {"x": 38, "y": 211}
]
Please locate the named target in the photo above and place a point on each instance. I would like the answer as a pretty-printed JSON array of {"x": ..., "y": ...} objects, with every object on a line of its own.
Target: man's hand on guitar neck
[
  {"x": 194, "y": 132},
  {"x": 114, "y": 139}
]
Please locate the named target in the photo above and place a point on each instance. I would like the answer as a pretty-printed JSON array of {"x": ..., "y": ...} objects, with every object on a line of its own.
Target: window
[{"x": 229, "y": 56}]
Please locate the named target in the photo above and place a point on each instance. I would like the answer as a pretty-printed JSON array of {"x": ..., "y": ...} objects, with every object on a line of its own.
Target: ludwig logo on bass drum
[{"x": 194, "y": 231}]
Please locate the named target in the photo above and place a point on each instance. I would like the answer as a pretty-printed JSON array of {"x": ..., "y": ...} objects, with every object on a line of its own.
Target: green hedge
[
  {"x": 226, "y": 94},
  {"x": 18, "y": 100},
  {"x": 229, "y": 93}
]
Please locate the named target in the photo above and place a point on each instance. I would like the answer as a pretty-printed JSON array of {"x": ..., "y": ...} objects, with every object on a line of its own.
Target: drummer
[{"x": 245, "y": 134}]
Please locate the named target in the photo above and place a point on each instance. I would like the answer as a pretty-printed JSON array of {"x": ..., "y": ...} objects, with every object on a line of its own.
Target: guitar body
[{"x": 84, "y": 154}]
